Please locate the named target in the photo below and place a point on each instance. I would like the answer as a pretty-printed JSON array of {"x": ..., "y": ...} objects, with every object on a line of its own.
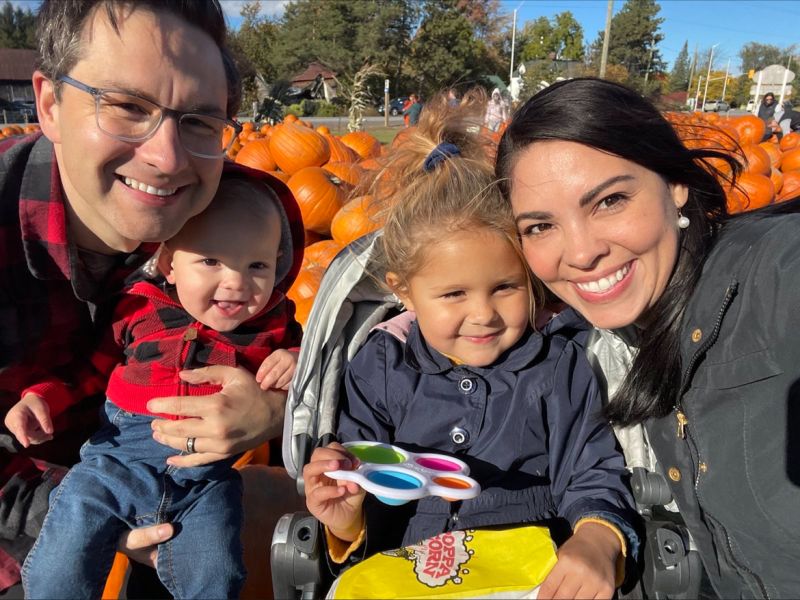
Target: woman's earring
[{"x": 683, "y": 222}]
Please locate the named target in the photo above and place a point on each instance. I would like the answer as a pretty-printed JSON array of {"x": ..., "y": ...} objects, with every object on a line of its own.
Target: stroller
[{"x": 349, "y": 304}]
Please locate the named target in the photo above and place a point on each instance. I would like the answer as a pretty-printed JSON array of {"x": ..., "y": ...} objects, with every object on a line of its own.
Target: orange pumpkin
[
  {"x": 752, "y": 191},
  {"x": 320, "y": 196},
  {"x": 347, "y": 172},
  {"x": 256, "y": 154},
  {"x": 791, "y": 186},
  {"x": 773, "y": 150},
  {"x": 791, "y": 161},
  {"x": 354, "y": 219},
  {"x": 790, "y": 141},
  {"x": 324, "y": 130},
  {"x": 284, "y": 177},
  {"x": 295, "y": 147},
  {"x": 777, "y": 180},
  {"x": 302, "y": 308},
  {"x": 306, "y": 284},
  {"x": 340, "y": 152},
  {"x": 364, "y": 144},
  {"x": 320, "y": 254},
  {"x": 756, "y": 159},
  {"x": 290, "y": 118},
  {"x": 751, "y": 129},
  {"x": 312, "y": 237}
]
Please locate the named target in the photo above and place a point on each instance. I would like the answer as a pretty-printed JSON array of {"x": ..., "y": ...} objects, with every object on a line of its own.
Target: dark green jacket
[{"x": 736, "y": 474}]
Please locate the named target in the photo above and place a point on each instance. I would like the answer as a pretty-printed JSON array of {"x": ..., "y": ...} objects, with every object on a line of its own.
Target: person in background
[
  {"x": 628, "y": 226},
  {"x": 496, "y": 111},
  {"x": 767, "y": 113},
  {"x": 85, "y": 204},
  {"x": 413, "y": 110}
]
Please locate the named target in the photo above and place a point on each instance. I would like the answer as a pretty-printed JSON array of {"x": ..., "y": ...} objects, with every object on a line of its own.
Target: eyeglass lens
[{"x": 132, "y": 118}]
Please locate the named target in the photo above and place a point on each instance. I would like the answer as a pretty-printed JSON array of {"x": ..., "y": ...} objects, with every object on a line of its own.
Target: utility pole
[
  {"x": 691, "y": 70},
  {"x": 606, "y": 39},
  {"x": 649, "y": 61},
  {"x": 725, "y": 85},
  {"x": 785, "y": 78},
  {"x": 708, "y": 75},
  {"x": 513, "y": 40}
]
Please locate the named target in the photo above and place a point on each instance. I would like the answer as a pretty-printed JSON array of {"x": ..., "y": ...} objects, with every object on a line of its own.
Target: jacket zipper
[
  {"x": 683, "y": 422},
  {"x": 187, "y": 354}
]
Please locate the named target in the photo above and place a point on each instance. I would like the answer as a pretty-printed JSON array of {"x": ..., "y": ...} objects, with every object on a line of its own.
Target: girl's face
[
  {"x": 600, "y": 231},
  {"x": 471, "y": 296}
]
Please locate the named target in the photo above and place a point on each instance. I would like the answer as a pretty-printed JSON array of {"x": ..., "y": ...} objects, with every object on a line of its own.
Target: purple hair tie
[{"x": 439, "y": 154}]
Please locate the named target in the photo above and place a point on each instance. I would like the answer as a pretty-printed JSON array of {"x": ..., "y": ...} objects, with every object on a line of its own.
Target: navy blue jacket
[{"x": 529, "y": 426}]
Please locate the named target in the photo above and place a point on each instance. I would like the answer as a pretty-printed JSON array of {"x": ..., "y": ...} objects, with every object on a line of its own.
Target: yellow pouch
[{"x": 506, "y": 562}]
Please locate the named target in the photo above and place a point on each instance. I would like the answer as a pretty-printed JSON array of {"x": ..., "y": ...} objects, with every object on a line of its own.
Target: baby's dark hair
[{"x": 437, "y": 181}]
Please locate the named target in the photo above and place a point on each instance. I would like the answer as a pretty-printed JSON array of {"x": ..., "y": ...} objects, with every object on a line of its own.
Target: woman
[{"x": 625, "y": 224}]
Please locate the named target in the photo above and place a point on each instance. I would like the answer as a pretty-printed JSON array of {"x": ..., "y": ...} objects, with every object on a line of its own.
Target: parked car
[
  {"x": 395, "y": 106},
  {"x": 716, "y": 106},
  {"x": 17, "y": 111}
]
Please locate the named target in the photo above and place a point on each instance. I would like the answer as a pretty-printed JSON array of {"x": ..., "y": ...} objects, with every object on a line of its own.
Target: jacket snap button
[
  {"x": 674, "y": 474},
  {"x": 697, "y": 335},
  {"x": 466, "y": 386},
  {"x": 703, "y": 467},
  {"x": 459, "y": 435}
]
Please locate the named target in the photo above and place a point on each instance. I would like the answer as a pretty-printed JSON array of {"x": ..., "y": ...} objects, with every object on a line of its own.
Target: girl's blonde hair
[{"x": 421, "y": 201}]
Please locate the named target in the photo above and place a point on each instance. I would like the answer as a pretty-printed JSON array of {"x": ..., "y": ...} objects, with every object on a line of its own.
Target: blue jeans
[{"x": 123, "y": 482}]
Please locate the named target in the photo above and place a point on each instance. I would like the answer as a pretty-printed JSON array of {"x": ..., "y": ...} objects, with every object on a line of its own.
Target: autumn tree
[
  {"x": 560, "y": 38},
  {"x": 252, "y": 49},
  {"x": 756, "y": 56}
]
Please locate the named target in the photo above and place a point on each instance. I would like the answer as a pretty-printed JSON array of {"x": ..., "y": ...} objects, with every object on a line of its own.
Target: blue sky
[{"x": 703, "y": 23}]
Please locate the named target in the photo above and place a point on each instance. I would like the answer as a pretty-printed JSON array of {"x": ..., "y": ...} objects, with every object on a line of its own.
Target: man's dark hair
[{"x": 60, "y": 26}]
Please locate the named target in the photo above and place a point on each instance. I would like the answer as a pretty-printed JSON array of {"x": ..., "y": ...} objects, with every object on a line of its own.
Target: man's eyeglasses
[{"x": 131, "y": 118}]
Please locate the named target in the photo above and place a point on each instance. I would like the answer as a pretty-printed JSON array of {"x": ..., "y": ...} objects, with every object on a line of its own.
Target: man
[{"x": 127, "y": 93}]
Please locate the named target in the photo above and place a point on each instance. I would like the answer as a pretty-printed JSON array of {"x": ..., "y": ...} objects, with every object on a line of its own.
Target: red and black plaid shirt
[
  {"x": 153, "y": 338},
  {"x": 48, "y": 311}
]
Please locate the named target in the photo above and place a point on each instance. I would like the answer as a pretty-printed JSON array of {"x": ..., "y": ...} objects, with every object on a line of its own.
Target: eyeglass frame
[{"x": 96, "y": 93}]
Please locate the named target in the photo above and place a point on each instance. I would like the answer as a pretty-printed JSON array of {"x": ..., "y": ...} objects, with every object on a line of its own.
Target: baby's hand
[
  {"x": 29, "y": 420},
  {"x": 277, "y": 370},
  {"x": 337, "y": 504},
  {"x": 586, "y": 566}
]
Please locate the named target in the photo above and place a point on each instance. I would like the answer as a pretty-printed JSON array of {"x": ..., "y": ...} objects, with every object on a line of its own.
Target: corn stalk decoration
[{"x": 357, "y": 95}]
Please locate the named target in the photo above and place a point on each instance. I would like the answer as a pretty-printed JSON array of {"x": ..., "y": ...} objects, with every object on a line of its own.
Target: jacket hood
[{"x": 292, "y": 231}]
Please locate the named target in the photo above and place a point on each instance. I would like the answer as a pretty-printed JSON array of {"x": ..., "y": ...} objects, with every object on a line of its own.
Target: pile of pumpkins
[
  {"x": 770, "y": 169},
  {"x": 12, "y": 130},
  {"x": 322, "y": 171}
]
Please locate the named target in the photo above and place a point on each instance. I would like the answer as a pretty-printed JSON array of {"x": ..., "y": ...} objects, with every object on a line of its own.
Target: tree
[
  {"x": 17, "y": 27},
  {"x": 679, "y": 77},
  {"x": 445, "y": 50},
  {"x": 251, "y": 47},
  {"x": 634, "y": 40},
  {"x": 560, "y": 38},
  {"x": 757, "y": 56}
]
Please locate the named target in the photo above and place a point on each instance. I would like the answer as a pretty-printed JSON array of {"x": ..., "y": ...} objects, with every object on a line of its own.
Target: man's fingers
[{"x": 196, "y": 459}]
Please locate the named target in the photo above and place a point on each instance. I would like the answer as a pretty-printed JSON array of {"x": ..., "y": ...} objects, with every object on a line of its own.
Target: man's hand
[
  {"x": 239, "y": 417},
  {"x": 29, "y": 420}
]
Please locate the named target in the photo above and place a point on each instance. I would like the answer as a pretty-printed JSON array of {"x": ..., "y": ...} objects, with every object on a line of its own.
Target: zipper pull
[
  {"x": 190, "y": 334},
  {"x": 682, "y": 423}
]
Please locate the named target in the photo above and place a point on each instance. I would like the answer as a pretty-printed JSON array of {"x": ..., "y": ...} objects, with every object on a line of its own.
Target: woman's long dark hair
[{"x": 615, "y": 119}]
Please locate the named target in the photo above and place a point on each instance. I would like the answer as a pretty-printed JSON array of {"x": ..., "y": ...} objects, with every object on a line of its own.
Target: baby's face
[{"x": 223, "y": 268}]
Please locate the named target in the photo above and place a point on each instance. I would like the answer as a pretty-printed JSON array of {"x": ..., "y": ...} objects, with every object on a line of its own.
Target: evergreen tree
[
  {"x": 634, "y": 41},
  {"x": 679, "y": 77},
  {"x": 17, "y": 27}
]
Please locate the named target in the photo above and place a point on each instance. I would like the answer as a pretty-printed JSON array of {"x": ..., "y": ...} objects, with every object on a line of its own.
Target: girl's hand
[
  {"x": 29, "y": 420},
  {"x": 586, "y": 566},
  {"x": 337, "y": 504}
]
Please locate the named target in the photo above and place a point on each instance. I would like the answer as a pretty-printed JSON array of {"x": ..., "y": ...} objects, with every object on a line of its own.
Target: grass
[{"x": 383, "y": 134}]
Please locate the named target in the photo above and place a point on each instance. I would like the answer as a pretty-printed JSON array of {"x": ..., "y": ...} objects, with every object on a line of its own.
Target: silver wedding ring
[{"x": 190, "y": 445}]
